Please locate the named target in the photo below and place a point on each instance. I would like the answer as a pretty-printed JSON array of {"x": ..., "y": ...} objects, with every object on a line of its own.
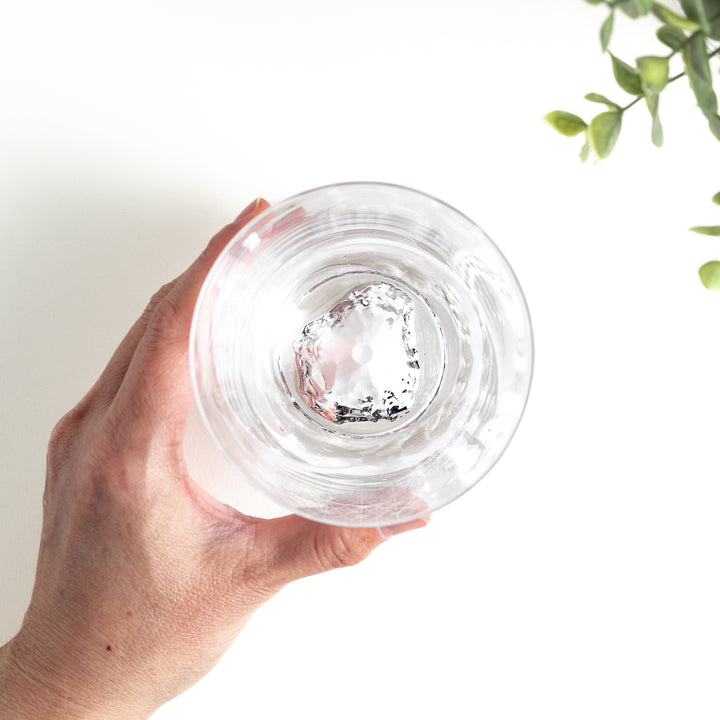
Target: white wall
[{"x": 579, "y": 579}]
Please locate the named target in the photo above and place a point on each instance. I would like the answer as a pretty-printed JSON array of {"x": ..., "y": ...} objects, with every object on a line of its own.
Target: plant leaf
[
  {"x": 712, "y": 12},
  {"x": 628, "y": 78},
  {"x": 710, "y": 275},
  {"x": 714, "y": 123},
  {"x": 635, "y": 8},
  {"x": 716, "y": 198},
  {"x": 594, "y": 2},
  {"x": 673, "y": 19},
  {"x": 695, "y": 10},
  {"x": 697, "y": 67},
  {"x": 596, "y": 97},
  {"x": 585, "y": 152},
  {"x": 654, "y": 72},
  {"x": 672, "y": 37},
  {"x": 604, "y": 131},
  {"x": 653, "y": 100},
  {"x": 644, "y": 6},
  {"x": 606, "y": 31},
  {"x": 566, "y": 123},
  {"x": 713, "y": 230}
]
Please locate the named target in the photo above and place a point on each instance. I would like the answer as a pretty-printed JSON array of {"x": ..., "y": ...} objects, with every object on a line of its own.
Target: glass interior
[{"x": 362, "y": 353}]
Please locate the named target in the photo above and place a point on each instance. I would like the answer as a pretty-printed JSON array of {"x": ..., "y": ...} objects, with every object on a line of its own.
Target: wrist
[{"x": 29, "y": 692}]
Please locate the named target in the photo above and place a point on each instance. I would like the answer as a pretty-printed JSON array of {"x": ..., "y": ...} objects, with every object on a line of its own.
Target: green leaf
[
  {"x": 673, "y": 19},
  {"x": 654, "y": 72},
  {"x": 713, "y": 230},
  {"x": 585, "y": 152},
  {"x": 695, "y": 10},
  {"x": 596, "y": 97},
  {"x": 672, "y": 37},
  {"x": 653, "y": 100},
  {"x": 710, "y": 275},
  {"x": 697, "y": 57},
  {"x": 716, "y": 198},
  {"x": 635, "y": 8},
  {"x": 714, "y": 123},
  {"x": 710, "y": 9},
  {"x": 697, "y": 67},
  {"x": 606, "y": 31},
  {"x": 604, "y": 131},
  {"x": 566, "y": 123},
  {"x": 594, "y": 2},
  {"x": 712, "y": 12},
  {"x": 628, "y": 78}
]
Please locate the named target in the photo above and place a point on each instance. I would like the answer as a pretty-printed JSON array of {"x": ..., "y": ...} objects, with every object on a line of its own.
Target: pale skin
[{"x": 143, "y": 580}]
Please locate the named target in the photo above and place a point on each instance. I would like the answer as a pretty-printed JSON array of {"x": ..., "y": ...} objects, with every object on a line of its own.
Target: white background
[{"x": 580, "y": 578}]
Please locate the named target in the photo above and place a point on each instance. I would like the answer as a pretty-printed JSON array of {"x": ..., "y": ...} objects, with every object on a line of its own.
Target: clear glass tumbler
[{"x": 361, "y": 353}]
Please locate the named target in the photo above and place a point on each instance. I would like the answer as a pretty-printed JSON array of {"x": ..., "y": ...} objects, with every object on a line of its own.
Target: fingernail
[
  {"x": 249, "y": 210},
  {"x": 392, "y": 530}
]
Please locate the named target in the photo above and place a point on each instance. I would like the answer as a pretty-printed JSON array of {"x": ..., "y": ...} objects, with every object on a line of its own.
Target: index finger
[{"x": 156, "y": 387}]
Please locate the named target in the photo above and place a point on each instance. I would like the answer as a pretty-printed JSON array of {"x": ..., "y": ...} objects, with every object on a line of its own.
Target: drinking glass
[{"x": 361, "y": 353}]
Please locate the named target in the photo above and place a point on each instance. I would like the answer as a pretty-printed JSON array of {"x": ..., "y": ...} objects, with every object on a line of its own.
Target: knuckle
[
  {"x": 159, "y": 296},
  {"x": 340, "y": 549},
  {"x": 65, "y": 434},
  {"x": 164, "y": 322},
  {"x": 157, "y": 309}
]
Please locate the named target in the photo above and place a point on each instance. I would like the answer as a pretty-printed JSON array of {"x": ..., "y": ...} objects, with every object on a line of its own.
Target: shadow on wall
[{"x": 83, "y": 250}]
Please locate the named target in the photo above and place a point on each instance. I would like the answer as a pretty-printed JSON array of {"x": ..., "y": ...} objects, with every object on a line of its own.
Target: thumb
[{"x": 294, "y": 547}]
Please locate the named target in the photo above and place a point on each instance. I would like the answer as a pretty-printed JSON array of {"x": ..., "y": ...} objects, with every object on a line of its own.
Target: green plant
[{"x": 689, "y": 34}]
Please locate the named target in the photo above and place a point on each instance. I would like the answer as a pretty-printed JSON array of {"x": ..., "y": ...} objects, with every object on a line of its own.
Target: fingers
[
  {"x": 156, "y": 383},
  {"x": 292, "y": 547},
  {"x": 109, "y": 381}
]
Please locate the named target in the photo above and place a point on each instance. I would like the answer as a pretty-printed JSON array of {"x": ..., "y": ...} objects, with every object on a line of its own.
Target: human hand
[{"x": 143, "y": 580}]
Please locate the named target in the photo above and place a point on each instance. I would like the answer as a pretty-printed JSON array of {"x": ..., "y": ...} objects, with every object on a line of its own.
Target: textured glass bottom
[
  {"x": 359, "y": 362},
  {"x": 369, "y": 357}
]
